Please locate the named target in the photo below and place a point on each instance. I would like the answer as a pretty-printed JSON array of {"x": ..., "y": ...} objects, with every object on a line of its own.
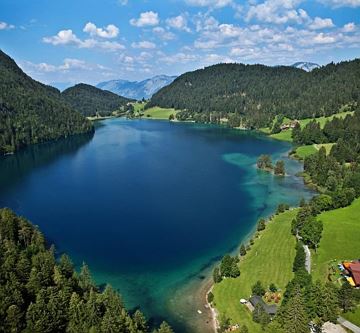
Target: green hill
[
  {"x": 253, "y": 95},
  {"x": 31, "y": 112},
  {"x": 91, "y": 101}
]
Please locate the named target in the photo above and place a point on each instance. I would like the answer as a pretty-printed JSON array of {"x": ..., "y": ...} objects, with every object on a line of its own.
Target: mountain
[
  {"x": 90, "y": 101},
  {"x": 137, "y": 89},
  {"x": 31, "y": 112},
  {"x": 252, "y": 95},
  {"x": 306, "y": 66}
]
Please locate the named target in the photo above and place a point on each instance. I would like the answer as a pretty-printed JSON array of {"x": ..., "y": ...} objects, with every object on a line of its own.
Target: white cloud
[
  {"x": 123, "y": 2},
  {"x": 341, "y": 3},
  {"x": 146, "y": 19},
  {"x": 349, "y": 27},
  {"x": 163, "y": 34},
  {"x": 178, "y": 22},
  {"x": 110, "y": 31},
  {"x": 143, "y": 45},
  {"x": 63, "y": 37},
  {"x": 320, "y": 23},
  {"x": 6, "y": 26},
  {"x": 67, "y": 37},
  {"x": 278, "y": 12},
  {"x": 322, "y": 38},
  {"x": 209, "y": 3},
  {"x": 178, "y": 58}
]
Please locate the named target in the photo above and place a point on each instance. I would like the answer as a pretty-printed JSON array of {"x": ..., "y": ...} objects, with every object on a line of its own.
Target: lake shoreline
[{"x": 209, "y": 284}]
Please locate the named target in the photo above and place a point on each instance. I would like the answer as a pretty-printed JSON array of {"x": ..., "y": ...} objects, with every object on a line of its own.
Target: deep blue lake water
[{"x": 148, "y": 204}]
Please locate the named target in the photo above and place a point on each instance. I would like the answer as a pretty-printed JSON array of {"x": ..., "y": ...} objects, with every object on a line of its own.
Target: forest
[
  {"x": 252, "y": 95},
  {"x": 41, "y": 292},
  {"x": 31, "y": 112},
  {"x": 92, "y": 101}
]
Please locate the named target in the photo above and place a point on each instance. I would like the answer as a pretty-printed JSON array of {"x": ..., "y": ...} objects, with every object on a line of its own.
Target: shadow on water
[{"x": 16, "y": 167}]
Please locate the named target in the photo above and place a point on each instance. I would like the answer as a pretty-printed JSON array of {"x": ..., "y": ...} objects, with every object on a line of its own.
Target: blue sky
[{"x": 73, "y": 41}]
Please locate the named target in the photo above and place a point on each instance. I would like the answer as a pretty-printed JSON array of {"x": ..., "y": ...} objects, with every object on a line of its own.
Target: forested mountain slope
[
  {"x": 254, "y": 94},
  {"x": 90, "y": 101},
  {"x": 31, "y": 112}
]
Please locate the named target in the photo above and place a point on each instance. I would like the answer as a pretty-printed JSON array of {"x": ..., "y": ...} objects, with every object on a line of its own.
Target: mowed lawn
[
  {"x": 286, "y": 135},
  {"x": 269, "y": 260},
  {"x": 353, "y": 317},
  {"x": 340, "y": 239},
  {"x": 304, "y": 151},
  {"x": 159, "y": 113}
]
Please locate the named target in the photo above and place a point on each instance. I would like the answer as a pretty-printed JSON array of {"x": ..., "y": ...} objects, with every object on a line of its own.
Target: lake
[{"x": 149, "y": 205}]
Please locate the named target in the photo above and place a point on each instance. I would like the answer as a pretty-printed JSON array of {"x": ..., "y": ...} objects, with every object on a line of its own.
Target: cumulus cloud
[
  {"x": 6, "y": 26},
  {"x": 209, "y": 3},
  {"x": 163, "y": 34},
  {"x": 277, "y": 11},
  {"x": 144, "y": 45},
  {"x": 322, "y": 38},
  {"x": 349, "y": 27},
  {"x": 341, "y": 3},
  {"x": 146, "y": 19},
  {"x": 110, "y": 31},
  {"x": 67, "y": 37},
  {"x": 320, "y": 23},
  {"x": 178, "y": 22},
  {"x": 178, "y": 58}
]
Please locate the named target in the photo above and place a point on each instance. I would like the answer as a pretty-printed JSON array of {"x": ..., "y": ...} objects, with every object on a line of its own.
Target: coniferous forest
[
  {"x": 42, "y": 293},
  {"x": 91, "y": 101},
  {"x": 252, "y": 95},
  {"x": 31, "y": 112}
]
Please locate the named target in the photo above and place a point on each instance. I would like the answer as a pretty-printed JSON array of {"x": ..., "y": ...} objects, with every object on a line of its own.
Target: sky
[{"x": 72, "y": 41}]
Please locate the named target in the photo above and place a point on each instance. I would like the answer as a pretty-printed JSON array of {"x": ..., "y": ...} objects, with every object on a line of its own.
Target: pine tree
[
  {"x": 242, "y": 250},
  {"x": 165, "y": 328},
  {"x": 295, "y": 319}
]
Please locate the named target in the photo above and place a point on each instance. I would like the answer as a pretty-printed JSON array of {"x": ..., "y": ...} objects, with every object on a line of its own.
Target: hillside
[
  {"x": 31, "y": 112},
  {"x": 252, "y": 95},
  {"x": 137, "y": 89},
  {"x": 91, "y": 101}
]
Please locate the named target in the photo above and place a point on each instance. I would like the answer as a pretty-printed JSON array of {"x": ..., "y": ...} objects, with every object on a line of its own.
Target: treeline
[
  {"x": 337, "y": 174},
  {"x": 31, "y": 112},
  {"x": 252, "y": 95},
  {"x": 92, "y": 101},
  {"x": 39, "y": 293}
]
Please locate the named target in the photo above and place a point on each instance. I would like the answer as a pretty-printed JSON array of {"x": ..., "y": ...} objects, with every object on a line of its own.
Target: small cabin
[{"x": 269, "y": 309}]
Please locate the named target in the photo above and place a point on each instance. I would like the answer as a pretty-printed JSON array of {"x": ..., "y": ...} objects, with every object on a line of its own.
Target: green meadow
[
  {"x": 268, "y": 260},
  {"x": 340, "y": 239}
]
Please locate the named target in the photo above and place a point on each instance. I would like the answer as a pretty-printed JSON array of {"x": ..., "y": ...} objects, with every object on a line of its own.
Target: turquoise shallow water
[{"x": 149, "y": 205}]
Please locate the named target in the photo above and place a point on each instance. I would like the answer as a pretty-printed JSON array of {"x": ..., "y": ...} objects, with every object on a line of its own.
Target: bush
[
  {"x": 258, "y": 289},
  {"x": 210, "y": 297}
]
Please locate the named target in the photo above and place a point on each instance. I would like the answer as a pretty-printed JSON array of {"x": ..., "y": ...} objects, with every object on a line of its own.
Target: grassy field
[
  {"x": 353, "y": 317},
  {"x": 340, "y": 240},
  {"x": 286, "y": 135},
  {"x": 268, "y": 261},
  {"x": 304, "y": 151},
  {"x": 138, "y": 107},
  {"x": 159, "y": 113}
]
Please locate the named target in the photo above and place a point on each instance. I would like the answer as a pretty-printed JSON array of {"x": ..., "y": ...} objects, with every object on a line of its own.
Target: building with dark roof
[{"x": 269, "y": 309}]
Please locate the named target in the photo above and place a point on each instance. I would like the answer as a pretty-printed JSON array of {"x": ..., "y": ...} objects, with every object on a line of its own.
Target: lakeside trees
[{"x": 39, "y": 293}]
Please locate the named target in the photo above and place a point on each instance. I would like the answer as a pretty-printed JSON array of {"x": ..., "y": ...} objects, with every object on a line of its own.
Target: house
[
  {"x": 269, "y": 309},
  {"x": 354, "y": 272},
  {"x": 289, "y": 125}
]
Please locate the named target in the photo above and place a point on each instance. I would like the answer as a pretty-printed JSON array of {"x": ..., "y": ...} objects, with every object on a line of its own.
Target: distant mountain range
[
  {"x": 306, "y": 66},
  {"x": 137, "y": 89}
]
